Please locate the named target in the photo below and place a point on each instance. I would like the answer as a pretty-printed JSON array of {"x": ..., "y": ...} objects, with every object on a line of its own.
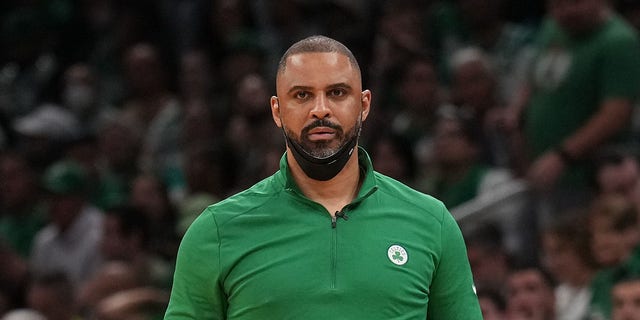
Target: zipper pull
[{"x": 333, "y": 222}]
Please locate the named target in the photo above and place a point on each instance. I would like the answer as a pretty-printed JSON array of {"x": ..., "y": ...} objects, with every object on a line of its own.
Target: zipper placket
[
  {"x": 334, "y": 251},
  {"x": 334, "y": 244}
]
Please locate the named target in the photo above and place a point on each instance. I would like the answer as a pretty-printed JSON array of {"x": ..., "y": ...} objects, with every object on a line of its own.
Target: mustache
[{"x": 321, "y": 123}]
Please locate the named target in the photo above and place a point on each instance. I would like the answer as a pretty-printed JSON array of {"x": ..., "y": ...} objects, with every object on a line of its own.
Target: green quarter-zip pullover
[{"x": 271, "y": 253}]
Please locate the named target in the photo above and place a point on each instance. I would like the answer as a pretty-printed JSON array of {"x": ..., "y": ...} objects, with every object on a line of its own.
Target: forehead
[
  {"x": 526, "y": 277},
  {"x": 317, "y": 69},
  {"x": 628, "y": 289}
]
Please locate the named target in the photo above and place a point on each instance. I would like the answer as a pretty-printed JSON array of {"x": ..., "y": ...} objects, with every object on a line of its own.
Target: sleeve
[
  {"x": 452, "y": 293},
  {"x": 197, "y": 292},
  {"x": 621, "y": 67}
]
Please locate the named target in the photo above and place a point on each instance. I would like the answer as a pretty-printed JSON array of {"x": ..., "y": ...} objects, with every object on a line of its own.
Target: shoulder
[
  {"x": 398, "y": 194},
  {"x": 618, "y": 32},
  {"x": 45, "y": 237},
  {"x": 241, "y": 203}
]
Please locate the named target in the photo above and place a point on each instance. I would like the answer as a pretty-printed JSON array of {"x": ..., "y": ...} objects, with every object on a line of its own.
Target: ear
[
  {"x": 366, "y": 103},
  {"x": 275, "y": 111}
]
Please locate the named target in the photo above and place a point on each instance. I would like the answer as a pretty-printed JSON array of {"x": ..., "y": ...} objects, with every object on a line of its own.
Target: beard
[{"x": 324, "y": 148}]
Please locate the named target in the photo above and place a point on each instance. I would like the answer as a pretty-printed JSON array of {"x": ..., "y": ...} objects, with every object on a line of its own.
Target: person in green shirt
[
  {"x": 583, "y": 85},
  {"x": 326, "y": 236}
]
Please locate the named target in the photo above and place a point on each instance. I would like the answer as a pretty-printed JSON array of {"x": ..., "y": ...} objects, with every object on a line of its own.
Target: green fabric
[
  {"x": 604, "y": 281},
  {"x": 271, "y": 253},
  {"x": 18, "y": 230},
  {"x": 602, "y": 65},
  {"x": 459, "y": 192},
  {"x": 65, "y": 177},
  {"x": 111, "y": 190}
]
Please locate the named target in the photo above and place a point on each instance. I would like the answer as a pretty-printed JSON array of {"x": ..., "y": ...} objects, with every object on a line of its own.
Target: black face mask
[{"x": 323, "y": 169}]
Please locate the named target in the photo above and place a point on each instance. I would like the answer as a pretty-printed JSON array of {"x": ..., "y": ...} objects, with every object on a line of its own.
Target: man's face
[
  {"x": 576, "y": 16},
  {"x": 626, "y": 300},
  {"x": 609, "y": 245},
  {"x": 529, "y": 296},
  {"x": 320, "y": 102}
]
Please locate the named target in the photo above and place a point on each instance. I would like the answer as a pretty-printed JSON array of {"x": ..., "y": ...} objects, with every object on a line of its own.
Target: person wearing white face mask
[{"x": 80, "y": 94}]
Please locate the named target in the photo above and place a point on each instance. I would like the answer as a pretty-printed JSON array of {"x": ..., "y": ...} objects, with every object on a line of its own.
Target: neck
[
  {"x": 333, "y": 194},
  {"x": 581, "y": 278}
]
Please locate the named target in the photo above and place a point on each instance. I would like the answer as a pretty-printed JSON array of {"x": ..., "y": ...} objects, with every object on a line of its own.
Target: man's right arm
[{"x": 196, "y": 291}]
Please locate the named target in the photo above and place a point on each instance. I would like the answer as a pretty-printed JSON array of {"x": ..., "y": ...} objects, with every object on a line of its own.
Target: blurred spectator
[
  {"x": 530, "y": 295},
  {"x": 111, "y": 278},
  {"x": 461, "y": 175},
  {"x": 134, "y": 304},
  {"x": 30, "y": 35},
  {"x": 567, "y": 255},
  {"x": 184, "y": 21},
  {"x": 399, "y": 36},
  {"x": 614, "y": 229},
  {"x": 409, "y": 107},
  {"x": 69, "y": 244},
  {"x": 150, "y": 196},
  {"x": 281, "y": 23},
  {"x": 118, "y": 148},
  {"x": 44, "y": 132},
  {"x": 153, "y": 109},
  {"x": 618, "y": 172},
  {"x": 52, "y": 295},
  {"x": 584, "y": 81},
  {"x": 492, "y": 304},
  {"x": 490, "y": 262},
  {"x": 393, "y": 156},
  {"x": 251, "y": 121},
  {"x": 615, "y": 238},
  {"x": 22, "y": 209},
  {"x": 231, "y": 24},
  {"x": 625, "y": 295},
  {"x": 197, "y": 84},
  {"x": 453, "y": 25},
  {"x": 202, "y": 125},
  {"x": 13, "y": 278},
  {"x": 209, "y": 172},
  {"x": 23, "y": 314},
  {"x": 126, "y": 238},
  {"x": 474, "y": 89},
  {"x": 81, "y": 94},
  {"x": 22, "y": 215}
]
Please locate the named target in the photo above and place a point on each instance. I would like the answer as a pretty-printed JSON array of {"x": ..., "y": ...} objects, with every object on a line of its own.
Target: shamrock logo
[{"x": 397, "y": 254}]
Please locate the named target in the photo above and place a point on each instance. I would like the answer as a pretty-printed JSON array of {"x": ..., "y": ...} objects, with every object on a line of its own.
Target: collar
[{"x": 369, "y": 185}]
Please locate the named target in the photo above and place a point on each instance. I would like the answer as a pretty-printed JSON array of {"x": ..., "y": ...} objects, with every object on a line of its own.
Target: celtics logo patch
[{"x": 397, "y": 254}]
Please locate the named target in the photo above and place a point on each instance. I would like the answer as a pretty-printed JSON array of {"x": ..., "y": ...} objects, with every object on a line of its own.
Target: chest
[{"x": 378, "y": 259}]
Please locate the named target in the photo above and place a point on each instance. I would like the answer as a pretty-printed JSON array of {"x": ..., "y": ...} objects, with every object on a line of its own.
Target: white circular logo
[{"x": 397, "y": 254}]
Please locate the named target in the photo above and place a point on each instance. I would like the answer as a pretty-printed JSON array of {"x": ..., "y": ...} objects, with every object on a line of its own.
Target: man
[
  {"x": 325, "y": 237},
  {"x": 70, "y": 243},
  {"x": 530, "y": 295},
  {"x": 583, "y": 85},
  {"x": 626, "y": 300}
]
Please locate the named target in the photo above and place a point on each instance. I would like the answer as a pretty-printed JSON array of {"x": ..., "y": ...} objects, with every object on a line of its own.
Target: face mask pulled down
[{"x": 323, "y": 167}]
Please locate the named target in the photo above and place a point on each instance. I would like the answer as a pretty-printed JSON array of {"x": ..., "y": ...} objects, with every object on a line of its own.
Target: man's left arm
[
  {"x": 620, "y": 85},
  {"x": 452, "y": 294}
]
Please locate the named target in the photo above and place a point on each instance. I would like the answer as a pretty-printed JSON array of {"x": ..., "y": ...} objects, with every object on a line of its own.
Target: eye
[
  {"x": 302, "y": 95},
  {"x": 337, "y": 92}
]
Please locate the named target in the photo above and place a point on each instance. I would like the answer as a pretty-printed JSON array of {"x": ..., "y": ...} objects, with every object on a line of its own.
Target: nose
[{"x": 321, "y": 107}]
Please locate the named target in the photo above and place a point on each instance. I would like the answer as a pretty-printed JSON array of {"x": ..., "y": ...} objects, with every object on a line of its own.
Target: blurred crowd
[{"x": 120, "y": 121}]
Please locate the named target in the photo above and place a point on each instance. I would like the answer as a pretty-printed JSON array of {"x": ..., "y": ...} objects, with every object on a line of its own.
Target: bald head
[{"x": 317, "y": 44}]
